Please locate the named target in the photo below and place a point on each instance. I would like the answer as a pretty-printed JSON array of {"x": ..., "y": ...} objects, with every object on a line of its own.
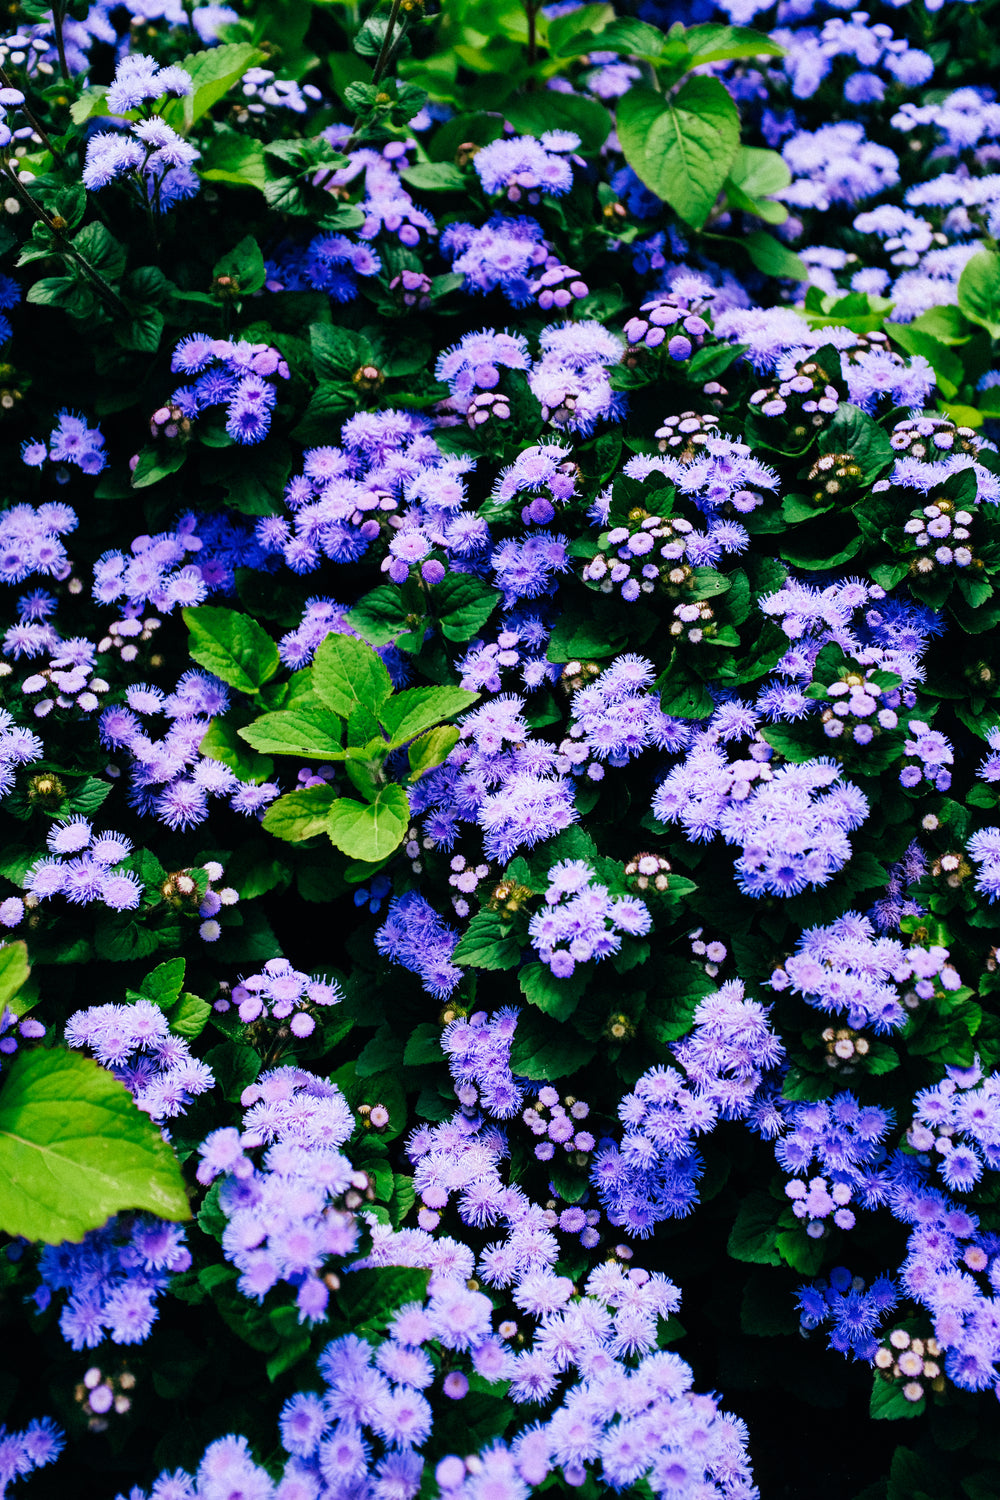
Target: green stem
[
  {"x": 58, "y": 17},
  {"x": 105, "y": 289},
  {"x": 8, "y": 83},
  {"x": 382, "y": 61}
]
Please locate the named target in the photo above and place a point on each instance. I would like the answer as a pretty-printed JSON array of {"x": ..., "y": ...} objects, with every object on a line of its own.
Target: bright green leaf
[
  {"x": 409, "y": 713},
  {"x": 682, "y": 149},
  {"x": 74, "y": 1150},
  {"x": 347, "y": 674},
  {"x": 772, "y": 257},
  {"x": 233, "y": 646},
  {"x": 300, "y": 815},
  {"x": 370, "y": 832},
  {"x": 431, "y": 749},
  {"x": 14, "y": 972},
  {"x": 979, "y": 291},
  {"x": 213, "y": 73},
  {"x": 314, "y": 733}
]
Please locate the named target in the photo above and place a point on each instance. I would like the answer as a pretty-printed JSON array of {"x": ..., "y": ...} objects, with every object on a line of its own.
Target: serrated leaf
[
  {"x": 556, "y": 997},
  {"x": 232, "y": 646},
  {"x": 300, "y": 815},
  {"x": 431, "y": 749},
  {"x": 163, "y": 984},
  {"x": 854, "y": 431},
  {"x": 409, "y": 713},
  {"x": 485, "y": 944},
  {"x": 464, "y": 603},
  {"x": 348, "y": 674},
  {"x": 221, "y": 742},
  {"x": 682, "y": 149},
  {"x": 754, "y": 1234},
  {"x": 290, "y": 731},
  {"x": 189, "y": 1017},
  {"x": 74, "y": 1150},
  {"x": 370, "y": 832},
  {"x": 213, "y": 73}
]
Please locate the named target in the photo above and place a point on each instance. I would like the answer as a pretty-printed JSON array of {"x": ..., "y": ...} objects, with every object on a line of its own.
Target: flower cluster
[
  {"x": 281, "y": 993},
  {"x": 234, "y": 373},
  {"x": 114, "y": 1278},
  {"x": 581, "y": 920},
  {"x": 288, "y": 1215},
  {"x": 136, "y": 1044}
]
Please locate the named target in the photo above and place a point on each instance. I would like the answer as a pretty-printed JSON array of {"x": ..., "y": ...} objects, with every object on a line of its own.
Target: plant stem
[
  {"x": 8, "y": 83},
  {"x": 105, "y": 289},
  {"x": 382, "y": 61},
  {"x": 58, "y": 17}
]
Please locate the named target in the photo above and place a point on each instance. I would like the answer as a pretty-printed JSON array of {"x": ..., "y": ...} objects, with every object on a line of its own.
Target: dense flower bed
[{"x": 500, "y": 750}]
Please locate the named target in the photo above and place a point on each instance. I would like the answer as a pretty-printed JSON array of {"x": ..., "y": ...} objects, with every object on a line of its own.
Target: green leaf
[
  {"x": 189, "y": 1017},
  {"x": 486, "y": 945},
  {"x": 338, "y": 352},
  {"x": 221, "y": 742},
  {"x": 14, "y": 972},
  {"x": 533, "y": 114},
  {"x": 370, "y": 832},
  {"x": 409, "y": 713},
  {"x": 979, "y": 291},
  {"x": 314, "y": 733},
  {"x": 99, "y": 246},
  {"x": 853, "y": 431},
  {"x": 557, "y": 997},
  {"x": 947, "y": 365},
  {"x": 682, "y": 149},
  {"x": 625, "y": 36},
  {"x": 347, "y": 674},
  {"x": 213, "y": 73},
  {"x": 889, "y": 1403},
  {"x": 463, "y": 603},
  {"x": 300, "y": 815},
  {"x": 244, "y": 264},
  {"x": 434, "y": 177},
  {"x": 431, "y": 749},
  {"x": 772, "y": 257},
  {"x": 231, "y": 645},
  {"x": 235, "y": 159},
  {"x": 154, "y": 465},
  {"x": 163, "y": 984},
  {"x": 714, "y": 43},
  {"x": 753, "y": 176},
  {"x": 74, "y": 1150},
  {"x": 543, "y": 1052},
  {"x": 382, "y": 617},
  {"x": 754, "y": 1235}
]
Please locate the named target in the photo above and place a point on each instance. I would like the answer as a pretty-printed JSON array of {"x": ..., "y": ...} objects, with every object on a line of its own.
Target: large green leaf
[
  {"x": 772, "y": 257},
  {"x": 431, "y": 749},
  {"x": 464, "y": 603},
  {"x": 231, "y": 645},
  {"x": 14, "y": 971},
  {"x": 300, "y": 815},
  {"x": 409, "y": 713},
  {"x": 979, "y": 291},
  {"x": 682, "y": 149},
  {"x": 715, "y": 43},
  {"x": 296, "y": 732},
  {"x": 213, "y": 73},
  {"x": 74, "y": 1150},
  {"x": 347, "y": 674},
  {"x": 370, "y": 831}
]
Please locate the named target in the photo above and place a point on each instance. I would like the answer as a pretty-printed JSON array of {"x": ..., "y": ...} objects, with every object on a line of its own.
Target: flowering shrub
[{"x": 499, "y": 750}]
